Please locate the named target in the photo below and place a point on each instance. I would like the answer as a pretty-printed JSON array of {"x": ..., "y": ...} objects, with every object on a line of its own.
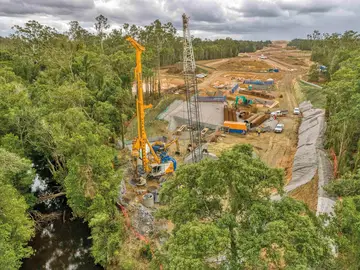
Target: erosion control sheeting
[
  {"x": 325, "y": 203},
  {"x": 310, "y": 156}
]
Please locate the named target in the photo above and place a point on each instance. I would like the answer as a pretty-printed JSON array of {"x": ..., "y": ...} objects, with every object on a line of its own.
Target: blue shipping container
[
  {"x": 239, "y": 131},
  {"x": 212, "y": 99},
  {"x": 269, "y": 82},
  {"x": 257, "y": 82},
  {"x": 234, "y": 88}
]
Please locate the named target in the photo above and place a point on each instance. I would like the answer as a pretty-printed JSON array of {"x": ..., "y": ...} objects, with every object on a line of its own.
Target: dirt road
[{"x": 277, "y": 150}]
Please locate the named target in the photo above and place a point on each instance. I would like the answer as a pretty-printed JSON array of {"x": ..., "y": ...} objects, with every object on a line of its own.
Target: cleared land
[{"x": 277, "y": 150}]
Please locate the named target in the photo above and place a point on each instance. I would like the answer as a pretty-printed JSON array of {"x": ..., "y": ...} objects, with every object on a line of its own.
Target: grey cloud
[
  {"x": 246, "y": 27},
  {"x": 258, "y": 19},
  {"x": 140, "y": 12},
  {"x": 305, "y": 7},
  {"x": 318, "y": 9},
  {"x": 199, "y": 10},
  {"x": 59, "y": 7},
  {"x": 259, "y": 8},
  {"x": 60, "y": 3}
]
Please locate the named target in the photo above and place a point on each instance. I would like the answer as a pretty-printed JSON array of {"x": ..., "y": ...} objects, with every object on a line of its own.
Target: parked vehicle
[
  {"x": 280, "y": 113},
  {"x": 279, "y": 128},
  {"x": 297, "y": 111}
]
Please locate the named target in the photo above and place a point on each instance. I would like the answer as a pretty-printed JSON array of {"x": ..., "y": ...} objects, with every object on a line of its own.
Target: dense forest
[{"x": 64, "y": 100}]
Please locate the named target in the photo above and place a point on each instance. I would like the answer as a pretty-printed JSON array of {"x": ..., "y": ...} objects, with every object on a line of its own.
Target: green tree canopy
[
  {"x": 16, "y": 228},
  {"x": 227, "y": 202}
]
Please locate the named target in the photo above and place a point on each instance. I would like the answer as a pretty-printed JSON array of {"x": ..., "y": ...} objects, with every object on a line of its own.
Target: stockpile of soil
[{"x": 244, "y": 65}]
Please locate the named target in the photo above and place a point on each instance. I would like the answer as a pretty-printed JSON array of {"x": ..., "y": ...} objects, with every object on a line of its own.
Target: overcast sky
[{"x": 239, "y": 19}]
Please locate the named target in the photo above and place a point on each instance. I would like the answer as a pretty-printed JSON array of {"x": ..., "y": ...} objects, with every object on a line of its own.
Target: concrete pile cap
[{"x": 148, "y": 196}]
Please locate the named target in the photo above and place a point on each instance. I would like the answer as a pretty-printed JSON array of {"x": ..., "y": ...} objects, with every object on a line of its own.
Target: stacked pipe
[
  {"x": 259, "y": 94},
  {"x": 233, "y": 115},
  {"x": 259, "y": 120},
  {"x": 226, "y": 115},
  {"x": 251, "y": 118}
]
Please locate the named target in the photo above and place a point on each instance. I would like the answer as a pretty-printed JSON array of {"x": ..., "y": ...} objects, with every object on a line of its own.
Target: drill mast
[
  {"x": 192, "y": 102},
  {"x": 140, "y": 142}
]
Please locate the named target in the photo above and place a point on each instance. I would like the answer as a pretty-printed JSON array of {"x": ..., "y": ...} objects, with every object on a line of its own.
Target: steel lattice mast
[{"x": 191, "y": 92}]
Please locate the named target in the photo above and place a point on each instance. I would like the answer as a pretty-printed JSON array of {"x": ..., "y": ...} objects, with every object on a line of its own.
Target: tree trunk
[
  {"x": 122, "y": 132},
  {"x": 151, "y": 85},
  {"x": 158, "y": 67},
  {"x": 233, "y": 247},
  {"x": 102, "y": 45}
]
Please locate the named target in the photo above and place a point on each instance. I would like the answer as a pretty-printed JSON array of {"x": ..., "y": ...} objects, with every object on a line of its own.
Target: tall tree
[{"x": 101, "y": 25}]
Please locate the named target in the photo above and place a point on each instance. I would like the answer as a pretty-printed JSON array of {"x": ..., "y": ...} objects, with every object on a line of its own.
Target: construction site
[
  {"x": 179, "y": 135},
  {"x": 210, "y": 106}
]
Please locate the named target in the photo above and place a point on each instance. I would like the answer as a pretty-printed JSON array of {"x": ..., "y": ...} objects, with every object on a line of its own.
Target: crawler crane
[{"x": 146, "y": 161}]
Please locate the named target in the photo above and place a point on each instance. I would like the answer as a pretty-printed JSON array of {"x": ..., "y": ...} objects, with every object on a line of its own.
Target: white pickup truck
[
  {"x": 279, "y": 128},
  {"x": 279, "y": 113}
]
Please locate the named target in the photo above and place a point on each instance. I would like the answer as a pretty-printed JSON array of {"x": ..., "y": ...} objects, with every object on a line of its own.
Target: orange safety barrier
[
  {"x": 128, "y": 224},
  {"x": 137, "y": 234}
]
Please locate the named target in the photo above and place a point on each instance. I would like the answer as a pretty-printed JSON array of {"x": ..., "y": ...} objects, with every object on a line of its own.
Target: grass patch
[
  {"x": 307, "y": 193},
  {"x": 201, "y": 70},
  {"x": 308, "y": 92},
  {"x": 153, "y": 126},
  {"x": 204, "y": 68}
]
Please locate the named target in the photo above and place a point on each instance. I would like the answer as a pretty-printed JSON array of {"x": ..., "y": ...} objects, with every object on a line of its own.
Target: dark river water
[{"x": 64, "y": 242}]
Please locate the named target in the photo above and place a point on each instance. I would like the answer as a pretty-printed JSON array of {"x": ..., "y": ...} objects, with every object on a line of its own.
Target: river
[{"x": 62, "y": 243}]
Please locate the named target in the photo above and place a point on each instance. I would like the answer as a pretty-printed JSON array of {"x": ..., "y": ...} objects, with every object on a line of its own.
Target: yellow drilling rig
[{"x": 150, "y": 160}]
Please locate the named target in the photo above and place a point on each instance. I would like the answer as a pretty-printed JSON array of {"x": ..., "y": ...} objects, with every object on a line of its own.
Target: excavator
[
  {"x": 245, "y": 101},
  {"x": 147, "y": 162},
  {"x": 160, "y": 146}
]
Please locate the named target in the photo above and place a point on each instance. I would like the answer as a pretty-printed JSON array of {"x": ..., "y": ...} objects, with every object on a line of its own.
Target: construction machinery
[
  {"x": 245, "y": 101},
  {"x": 192, "y": 97},
  {"x": 160, "y": 146},
  {"x": 146, "y": 161}
]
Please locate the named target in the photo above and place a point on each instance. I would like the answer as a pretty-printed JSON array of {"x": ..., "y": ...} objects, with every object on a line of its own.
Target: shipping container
[
  {"x": 235, "y": 88},
  {"x": 212, "y": 99},
  {"x": 236, "y": 127},
  {"x": 258, "y": 82},
  {"x": 240, "y": 131}
]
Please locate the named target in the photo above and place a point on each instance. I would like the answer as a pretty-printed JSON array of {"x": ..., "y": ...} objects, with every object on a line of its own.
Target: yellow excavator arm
[
  {"x": 139, "y": 143},
  {"x": 176, "y": 142}
]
